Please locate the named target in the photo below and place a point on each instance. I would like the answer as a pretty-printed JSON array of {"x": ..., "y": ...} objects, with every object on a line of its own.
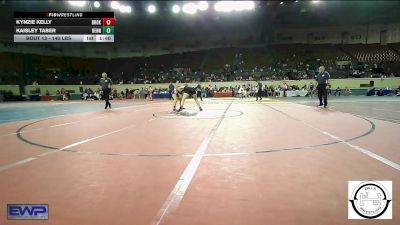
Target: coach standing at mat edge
[
  {"x": 322, "y": 80},
  {"x": 105, "y": 84}
]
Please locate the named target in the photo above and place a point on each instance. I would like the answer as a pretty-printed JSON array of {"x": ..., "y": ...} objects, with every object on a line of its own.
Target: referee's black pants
[
  {"x": 322, "y": 93},
  {"x": 199, "y": 95},
  {"x": 106, "y": 97}
]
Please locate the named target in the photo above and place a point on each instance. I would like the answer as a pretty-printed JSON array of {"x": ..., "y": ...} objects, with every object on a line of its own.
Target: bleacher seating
[
  {"x": 276, "y": 61},
  {"x": 218, "y": 58},
  {"x": 253, "y": 57},
  {"x": 327, "y": 54},
  {"x": 11, "y": 67},
  {"x": 301, "y": 54},
  {"x": 372, "y": 53},
  {"x": 188, "y": 60}
]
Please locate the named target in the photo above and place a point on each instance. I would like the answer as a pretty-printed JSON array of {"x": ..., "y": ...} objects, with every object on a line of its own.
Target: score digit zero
[
  {"x": 108, "y": 21},
  {"x": 108, "y": 30}
]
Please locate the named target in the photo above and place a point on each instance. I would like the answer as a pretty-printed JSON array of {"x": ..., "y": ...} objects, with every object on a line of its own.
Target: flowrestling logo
[
  {"x": 27, "y": 211},
  {"x": 370, "y": 199}
]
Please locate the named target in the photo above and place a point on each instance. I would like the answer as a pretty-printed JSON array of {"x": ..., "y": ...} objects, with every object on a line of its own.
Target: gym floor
[{"x": 238, "y": 162}]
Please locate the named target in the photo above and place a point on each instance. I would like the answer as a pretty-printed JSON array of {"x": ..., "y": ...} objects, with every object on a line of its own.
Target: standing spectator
[
  {"x": 285, "y": 89},
  {"x": 259, "y": 91},
  {"x": 198, "y": 92},
  {"x": 235, "y": 91},
  {"x": 265, "y": 87},
  {"x": 145, "y": 92},
  {"x": 171, "y": 88},
  {"x": 254, "y": 90},
  {"x": 247, "y": 91},
  {"x": 150, "y": 92},
  {"x": 105, "y": 84},
  {"x": 242, "y": 92},
  {"x": 63, "y": 94},
  {"x": 203, "y": 92},
  {"x": 311, "y": 90},
  {"x": 211, "y": 91}
]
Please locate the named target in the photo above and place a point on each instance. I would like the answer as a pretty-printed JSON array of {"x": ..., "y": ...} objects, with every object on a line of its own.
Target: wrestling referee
[
  {"x": 105, "y": 84},
  {"x": 322, "y": 80}
]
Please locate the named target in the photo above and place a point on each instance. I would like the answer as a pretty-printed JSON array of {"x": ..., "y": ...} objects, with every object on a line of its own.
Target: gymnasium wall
[
  {"x": 361, "y": 34},
  {"x": 342, "y": 83},
  {"x": 13, "y": 88}
]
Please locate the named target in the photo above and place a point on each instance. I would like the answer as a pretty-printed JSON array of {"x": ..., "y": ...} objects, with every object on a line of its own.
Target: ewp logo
[{"x": 28, "y": 212}]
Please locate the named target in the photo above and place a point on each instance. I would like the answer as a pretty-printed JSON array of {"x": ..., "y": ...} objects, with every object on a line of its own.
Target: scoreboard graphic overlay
[{"x": 64, "y": 26}]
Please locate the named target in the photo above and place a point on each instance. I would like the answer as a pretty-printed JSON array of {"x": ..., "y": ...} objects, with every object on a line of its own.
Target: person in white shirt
[
  {"x": 150, "y": 92},
  {"x": 242, "y": 92}
]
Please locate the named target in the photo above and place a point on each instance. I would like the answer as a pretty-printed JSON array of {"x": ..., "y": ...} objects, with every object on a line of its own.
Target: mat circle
[{"x": 52, "y": 148}]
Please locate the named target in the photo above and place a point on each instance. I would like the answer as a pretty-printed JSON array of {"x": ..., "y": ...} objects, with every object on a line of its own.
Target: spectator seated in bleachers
[
  {"x": 277, "y": 91},
  {"x": 338, "y": 91},
  {"x": 115, "y": 93},
  {"x": 96, "y": 95},
  {"x": 329, "y": 90},
  {"x": 64, "y": 94},
  {"x": 89, "y": 94},
  {"x": 381, "y": 92},
  {"x": 121, "y": 95},
  {"x": 347, "y": 91},
  {"x": 371, "y": 92},
  {"x": 242, "y": 92},
  {"x": 136, "y": 94},
  {"x": 85, "y": 95}
]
